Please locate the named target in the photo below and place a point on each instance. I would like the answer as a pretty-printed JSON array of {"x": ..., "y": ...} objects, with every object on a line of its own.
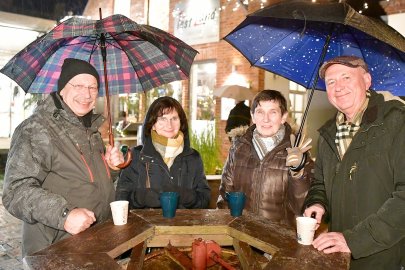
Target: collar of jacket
[
  {"x": 373, "y": 115},
  {"x": 248, "y": 136},
  {"x": 55, "y": 105}
]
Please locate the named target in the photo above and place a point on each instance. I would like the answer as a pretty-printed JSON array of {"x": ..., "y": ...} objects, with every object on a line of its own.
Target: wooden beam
[
  {"x": 204, "y": 229},
  {"x": 186, "y": 240},
  {"x": 247, "y": 257},
  {"x": 257, "y": 243},
  {"x": 124, "y": 246}
]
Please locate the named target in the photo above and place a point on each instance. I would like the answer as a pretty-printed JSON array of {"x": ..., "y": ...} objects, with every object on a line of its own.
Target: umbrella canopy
[
  {"x": 138, "y": 57},
  {"x": 132, "y": 57},
  {"x": 293, "y": 39},
  {"x": 234, "y": 91}
]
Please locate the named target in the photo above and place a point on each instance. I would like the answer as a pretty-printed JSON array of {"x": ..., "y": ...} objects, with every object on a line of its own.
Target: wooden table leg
[{"x": 137, "y": 256}]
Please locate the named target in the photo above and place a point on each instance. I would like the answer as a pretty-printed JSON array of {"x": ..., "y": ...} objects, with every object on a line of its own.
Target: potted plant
[{"x": 206, "y": 144}]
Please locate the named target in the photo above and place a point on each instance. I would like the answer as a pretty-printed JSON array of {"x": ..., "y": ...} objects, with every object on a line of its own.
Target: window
[
  {"x": 297, "y": 95},
  {"x": 202, "y": 102}
]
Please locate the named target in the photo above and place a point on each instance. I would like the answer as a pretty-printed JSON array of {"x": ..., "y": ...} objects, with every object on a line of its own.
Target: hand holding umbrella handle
[
  {"x": 127, "y": 155},
  {"x": 127, "y": 162},
  {"x": 110, "y": 133}
]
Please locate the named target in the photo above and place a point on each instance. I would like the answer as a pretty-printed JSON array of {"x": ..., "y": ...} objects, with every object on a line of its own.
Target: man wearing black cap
[
  {"x": 58, "y": 178},
  {"x": 359, "y": 185}
]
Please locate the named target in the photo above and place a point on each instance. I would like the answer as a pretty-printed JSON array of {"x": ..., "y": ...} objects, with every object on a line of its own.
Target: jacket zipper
[
  {"x": 161, "y": 166},
  {"x": 258, "y": 184},
  {"x": 85, "y": 163},
  {"x": 81, "y": 153},
  {"x": 106, "y": 165}
]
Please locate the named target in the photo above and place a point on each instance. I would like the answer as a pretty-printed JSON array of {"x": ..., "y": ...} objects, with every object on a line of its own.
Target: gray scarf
[{"x": 263, "y": 145}]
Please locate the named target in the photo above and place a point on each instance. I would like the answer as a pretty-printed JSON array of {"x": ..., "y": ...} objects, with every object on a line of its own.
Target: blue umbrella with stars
[{"x": 292, "y": 39}]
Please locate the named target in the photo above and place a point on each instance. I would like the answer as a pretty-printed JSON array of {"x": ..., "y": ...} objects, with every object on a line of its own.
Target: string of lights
[{"x": 235, "y": 5}]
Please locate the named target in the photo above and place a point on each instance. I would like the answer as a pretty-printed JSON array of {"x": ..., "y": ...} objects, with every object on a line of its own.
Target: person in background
[
  {"x": 165, "y": 162},
  {"x": 359, "y": 185},
  {"x": 58, "y": 177},
  {"x": 122, "y": 123},
  {"x": 239, "y": 116},
  {"x": 263, "y": 164}
]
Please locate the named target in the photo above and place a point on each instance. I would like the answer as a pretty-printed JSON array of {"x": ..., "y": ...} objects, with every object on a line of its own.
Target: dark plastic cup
[
  {"x": 236, "y": 202},
  {"x": 168, "y": 201}
]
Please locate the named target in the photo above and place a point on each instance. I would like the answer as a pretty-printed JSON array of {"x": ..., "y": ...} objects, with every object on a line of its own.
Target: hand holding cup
[{"x": 306, "y": 227}]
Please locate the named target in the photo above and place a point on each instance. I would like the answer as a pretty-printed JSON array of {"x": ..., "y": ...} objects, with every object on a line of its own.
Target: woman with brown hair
[
  {"x": 264, "y": 164},
  {"x": 165, "y": 162}
]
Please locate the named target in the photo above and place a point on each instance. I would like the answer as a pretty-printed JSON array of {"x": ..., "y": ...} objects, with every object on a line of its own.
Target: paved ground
[{"x": 10, "y": 240}]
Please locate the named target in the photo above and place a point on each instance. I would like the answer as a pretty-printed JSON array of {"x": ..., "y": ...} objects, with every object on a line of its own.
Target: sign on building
[{"x": 196, "y": 21}]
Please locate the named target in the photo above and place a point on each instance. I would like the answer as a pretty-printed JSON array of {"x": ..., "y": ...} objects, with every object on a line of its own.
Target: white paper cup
[
  {"x": 119, "y": 211},
  {"x": 305, "y": 230}
]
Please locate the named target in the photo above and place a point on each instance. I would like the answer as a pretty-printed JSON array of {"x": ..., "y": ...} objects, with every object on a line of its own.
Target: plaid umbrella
[
  {"x": 139, "y": 57},
  {"x": 132, "y": 57}
]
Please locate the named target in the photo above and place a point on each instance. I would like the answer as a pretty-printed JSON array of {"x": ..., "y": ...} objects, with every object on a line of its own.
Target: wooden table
[{"x": 97, "y": 247}]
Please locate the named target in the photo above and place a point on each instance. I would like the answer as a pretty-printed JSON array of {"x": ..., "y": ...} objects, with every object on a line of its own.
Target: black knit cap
[{"x": 72, "y": 67}]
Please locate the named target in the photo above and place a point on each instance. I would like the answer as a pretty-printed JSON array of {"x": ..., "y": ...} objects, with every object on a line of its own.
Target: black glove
[
  {"x": 146, "y": 198},
  {"x": 187, "y": 197}
]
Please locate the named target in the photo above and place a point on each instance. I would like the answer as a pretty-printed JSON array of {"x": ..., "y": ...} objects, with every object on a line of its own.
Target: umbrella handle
[
  {"x": 128, "y": 154},
  {"x": 107, "y": 95},
  {"x": 127, "y": 162}
]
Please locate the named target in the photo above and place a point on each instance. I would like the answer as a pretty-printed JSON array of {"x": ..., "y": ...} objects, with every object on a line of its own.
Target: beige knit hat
[{"x": 350, "y": 61}]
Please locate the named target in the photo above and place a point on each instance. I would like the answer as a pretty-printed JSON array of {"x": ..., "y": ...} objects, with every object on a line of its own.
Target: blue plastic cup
[
  {"x": 236, "y": 202},
  {"x": 168, "y": 201}
]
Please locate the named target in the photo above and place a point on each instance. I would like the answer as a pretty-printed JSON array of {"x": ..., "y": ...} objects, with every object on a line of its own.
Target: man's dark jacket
[
  {"x": 364, "y": 193},
  {"x": 55, "y": 164}
]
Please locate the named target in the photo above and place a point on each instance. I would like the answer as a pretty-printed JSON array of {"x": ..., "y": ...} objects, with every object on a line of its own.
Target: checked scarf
[
  {"x": 168, "y": 148},
  {"x": 347, "y": 130},
  {"x": 263, "y": 145}
]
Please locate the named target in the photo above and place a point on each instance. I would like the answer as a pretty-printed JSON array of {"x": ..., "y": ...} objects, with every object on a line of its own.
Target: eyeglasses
[
  {"x": 80, "y": 87},
  {"x": 164, "y": 120}
]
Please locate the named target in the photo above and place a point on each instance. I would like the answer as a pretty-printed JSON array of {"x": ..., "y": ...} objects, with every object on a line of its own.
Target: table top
[{"x": 97, "y": 247}]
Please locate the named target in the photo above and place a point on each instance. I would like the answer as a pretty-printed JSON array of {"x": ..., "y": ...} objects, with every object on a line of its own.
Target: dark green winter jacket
[
  {"x": 364, "y": 193},
  {"x": 55, "y": 164}
]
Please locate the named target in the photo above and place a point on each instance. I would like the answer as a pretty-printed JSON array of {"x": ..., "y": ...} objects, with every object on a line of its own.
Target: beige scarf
[{"x": 168, "y": 148}]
